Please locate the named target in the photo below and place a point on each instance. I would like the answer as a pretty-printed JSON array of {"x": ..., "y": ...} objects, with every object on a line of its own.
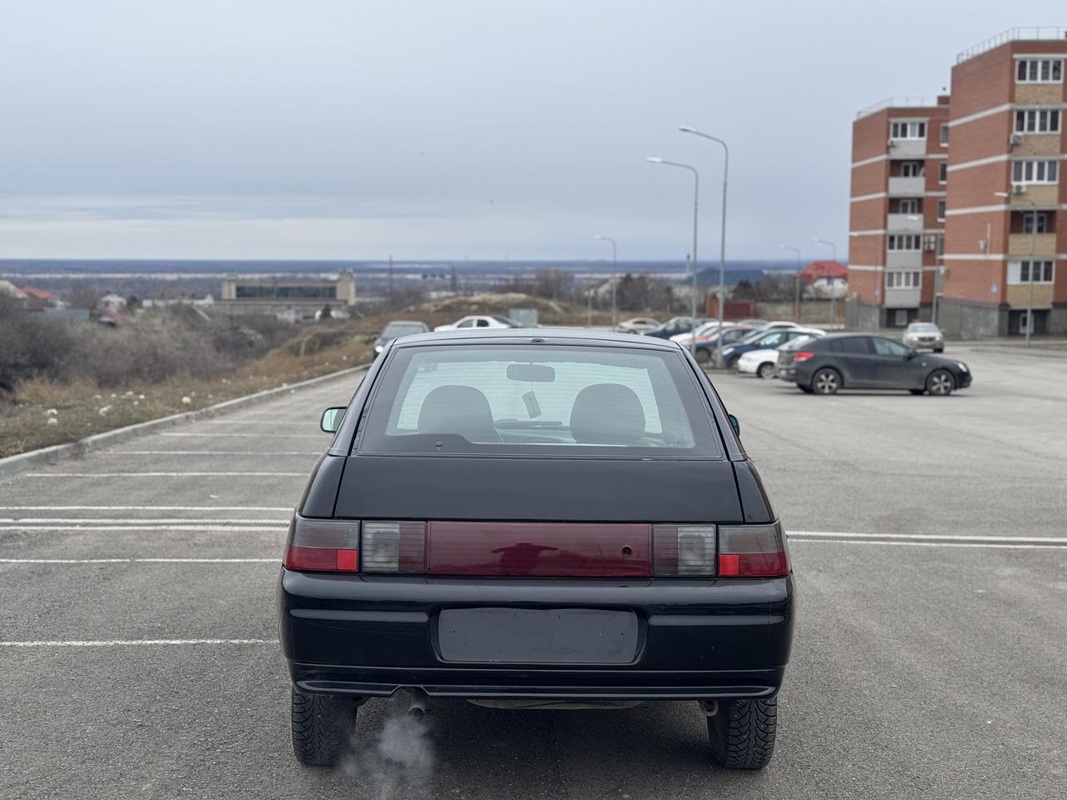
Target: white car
[
  {"x": 476, "y": 321},
  {"x": 763, "y": 363},
  {"x": 702, "y": 333},
  {"x": 637, "y": 325}
]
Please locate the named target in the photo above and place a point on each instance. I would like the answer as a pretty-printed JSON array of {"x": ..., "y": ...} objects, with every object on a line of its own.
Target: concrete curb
[{"x": 50, "y": 455}]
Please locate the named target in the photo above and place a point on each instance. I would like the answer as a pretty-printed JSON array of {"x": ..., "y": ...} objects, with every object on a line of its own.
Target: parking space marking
[
  {"x": 139, "y": 561},
  {"x": 272, "y": 435},
  {"x": 141, "y": 643},
  {"x": 257, "y": 509},
  {"x": 931, "y": 540},
  {"x": 166, "y": 474},
  {"x": 127, "y": 521},
  {"x": 192, "y": 527},
  {"x": 248, "y": 454}
]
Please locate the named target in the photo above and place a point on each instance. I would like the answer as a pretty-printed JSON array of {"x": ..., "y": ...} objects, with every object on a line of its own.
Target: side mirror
[
  {"x": 331, "y": 419},
  {"x": 735, "y": 424}
]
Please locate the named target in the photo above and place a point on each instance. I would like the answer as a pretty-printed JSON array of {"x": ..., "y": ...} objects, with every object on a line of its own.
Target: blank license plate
[{"x": 533, "y": 636}]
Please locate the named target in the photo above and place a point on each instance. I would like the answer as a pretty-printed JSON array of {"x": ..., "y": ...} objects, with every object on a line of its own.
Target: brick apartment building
[{"x": 958, "y": 210}]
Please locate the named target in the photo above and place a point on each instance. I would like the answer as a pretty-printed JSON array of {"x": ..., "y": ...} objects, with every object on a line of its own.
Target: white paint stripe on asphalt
[
  {"x": 127, "y": 521},
  {"x": 140, "y": 643},
  {"x": 929, "y": 537},
  {"x": 257, "y": 509},
  {"x": 308, "y": 453},
  {"x": 280, "y": 528},
  {"x": 167, "y": 474},
  {"x": 140, "y": 561},
  {"x": 247, "y": 435},
  {"x": 936, "y": 544}
]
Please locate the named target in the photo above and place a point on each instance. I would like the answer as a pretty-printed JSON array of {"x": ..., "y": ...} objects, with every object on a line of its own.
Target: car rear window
[{"x": 544, "y": 400}]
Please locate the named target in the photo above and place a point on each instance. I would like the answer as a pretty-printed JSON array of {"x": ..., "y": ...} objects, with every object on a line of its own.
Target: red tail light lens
[
  {"x": 683, "y": 551},
  {"x": 753, "y": 551},
  {"x": 322, "y": 545},
  {"x": 339, "y": 545},
  {"x": 802, "y": 355}
]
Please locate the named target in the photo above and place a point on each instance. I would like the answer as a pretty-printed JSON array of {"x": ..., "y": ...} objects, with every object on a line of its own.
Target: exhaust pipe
[{"x": 417, "y": 700}]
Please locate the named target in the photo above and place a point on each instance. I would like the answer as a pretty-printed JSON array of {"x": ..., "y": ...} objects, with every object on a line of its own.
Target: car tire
[
  {"x": 742, "y": 733},
  {"x": 940, "y": 383},
  {"x": 321, "y": 727},
  {"x": 826, "y": 381},
  {"x": 702, "y": 355},
  {"x": 765, "y": 370}
]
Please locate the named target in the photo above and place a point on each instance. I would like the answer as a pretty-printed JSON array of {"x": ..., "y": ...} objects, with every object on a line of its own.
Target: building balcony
[
  {"x": 904, "y": 259},
  {"x": 907, "y": 148},
  {"x": 903, "y": 298},
  {"x": 904, "y": 223},
  {"x": 907, "y": 187},
  {"x": 1021, "y": 245}
]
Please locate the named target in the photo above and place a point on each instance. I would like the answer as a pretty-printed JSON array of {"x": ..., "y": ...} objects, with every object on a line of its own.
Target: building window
[
  {"x": 902, "y": 280},
  {"x": 941, "y": 209},
  {"x": 911, "y": 169},
  {"x": 1038, "y": 120},
  {"x": 943, "y": 133},
  {"x": 913, "y": 129},
  {"x": 905, "y": 241},
  {"x": 1034, "y": 171},
  {"x": 1030, "y": 218},
  {"x": 909, "y": 206},
  {"x": 1039, "y": 70},
  {"x": 942, "y": 172},
  {"x": 1030, "y": 271}
]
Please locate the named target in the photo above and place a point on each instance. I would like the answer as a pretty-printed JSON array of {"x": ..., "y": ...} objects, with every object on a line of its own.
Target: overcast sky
[{"x": 443, "y": 129}]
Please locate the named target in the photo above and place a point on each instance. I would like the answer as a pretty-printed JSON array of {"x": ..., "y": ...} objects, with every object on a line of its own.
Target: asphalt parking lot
[{"x": 139, "y": 653}]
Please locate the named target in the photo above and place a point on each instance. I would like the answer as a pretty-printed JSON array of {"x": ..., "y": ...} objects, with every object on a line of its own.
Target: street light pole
[
  {"x": 796, "y": 303},
  {"x": 721, "y": 295},
  {"x": 833, "y": 300},
  {"x": 614, "y": 280},
  {"x": 696, "y": 222}
]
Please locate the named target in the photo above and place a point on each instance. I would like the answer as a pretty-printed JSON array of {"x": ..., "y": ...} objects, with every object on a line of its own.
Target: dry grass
[{"x": 48, "y": 414}]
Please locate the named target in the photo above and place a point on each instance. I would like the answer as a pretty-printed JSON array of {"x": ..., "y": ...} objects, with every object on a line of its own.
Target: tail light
[
  {"x": 802, "y": 355},
  {"x": 753, "y": 551},
  {"x": 328, "y": 545}
]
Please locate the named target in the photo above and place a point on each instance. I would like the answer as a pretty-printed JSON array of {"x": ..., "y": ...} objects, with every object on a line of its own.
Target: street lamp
[
  {"x": 833, "y": 301},
  {"x": 696, "y": 204},
  {"x": 722, "y": 233},
  {"x": 614, "y": 281},
  {"x": 796, "y": 303},
  {"x": 1030, "y": 271}
]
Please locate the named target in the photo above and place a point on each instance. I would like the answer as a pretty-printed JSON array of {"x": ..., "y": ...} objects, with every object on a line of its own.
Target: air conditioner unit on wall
[
  {"x": 930, "y": 243},
  {"x": 1015, "y": 138},
  {"x": 1018, "y": 188}
]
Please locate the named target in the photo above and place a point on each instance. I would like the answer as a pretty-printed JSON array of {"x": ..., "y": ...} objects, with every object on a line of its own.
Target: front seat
[
  {"x": 607, "y": 413},
  {"x": 460, "y": 410}
]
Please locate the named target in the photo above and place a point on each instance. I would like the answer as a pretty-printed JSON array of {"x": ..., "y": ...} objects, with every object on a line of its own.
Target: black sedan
[
  {"x": 862, "y": 361},
  {"x": 558, "y": 519}
]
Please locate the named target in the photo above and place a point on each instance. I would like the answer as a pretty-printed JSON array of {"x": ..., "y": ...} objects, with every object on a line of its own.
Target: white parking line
[
  {"x": 192, "y": 527},
  {"x": 140, "y": 561},
  {"x": 129, "y": 521},
  {"x": 932, "y": 538},
  {"x": 256, "y": 509},
  {"x": 888, "y": 543},
  {"x": 265, "y": 435},
  {"x": 308, "y": 453},
  {"x": 140, "y": 642},
  {"x": 167, "y": 474}
]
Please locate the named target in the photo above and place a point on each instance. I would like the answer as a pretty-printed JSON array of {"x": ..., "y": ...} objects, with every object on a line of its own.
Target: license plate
[{"x": 536, "y": 636}]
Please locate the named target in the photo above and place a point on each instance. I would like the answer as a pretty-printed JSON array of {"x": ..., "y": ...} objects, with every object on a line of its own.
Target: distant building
[
  {"x": 293, "y": 297},
  {"x": 968, "y": 229}
]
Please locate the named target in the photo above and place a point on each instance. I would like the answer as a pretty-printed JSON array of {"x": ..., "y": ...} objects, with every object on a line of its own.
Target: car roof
[{"x": 538, "y": 335}]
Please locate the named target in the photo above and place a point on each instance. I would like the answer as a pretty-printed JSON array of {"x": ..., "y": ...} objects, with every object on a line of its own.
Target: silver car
[{"x": 924, "y": 336}]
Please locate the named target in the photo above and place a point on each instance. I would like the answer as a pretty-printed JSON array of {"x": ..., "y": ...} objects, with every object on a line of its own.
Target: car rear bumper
[{"x": 369, "y": 636}]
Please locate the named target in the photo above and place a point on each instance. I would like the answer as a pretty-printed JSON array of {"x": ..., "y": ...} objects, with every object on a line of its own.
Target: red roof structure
[{"x": 823, "y": 269}]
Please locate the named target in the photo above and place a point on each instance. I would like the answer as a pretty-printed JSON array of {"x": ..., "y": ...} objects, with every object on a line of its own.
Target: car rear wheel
[
  {"x": 766, "y": 370},
  {"x": 702, "y": 355},
  {"x": 940, "y": 382},
  {"x": 742, "y": 733},
  {"x": 826, "y": 381},
  {"x": 321, "y": 727}
]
